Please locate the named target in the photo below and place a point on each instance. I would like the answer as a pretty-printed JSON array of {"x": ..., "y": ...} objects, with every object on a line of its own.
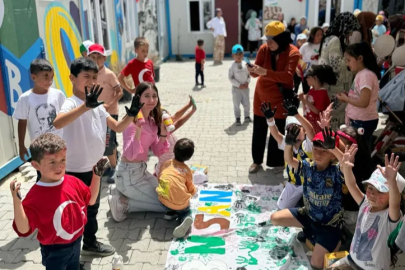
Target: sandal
[{"x": 254, "y": 168}]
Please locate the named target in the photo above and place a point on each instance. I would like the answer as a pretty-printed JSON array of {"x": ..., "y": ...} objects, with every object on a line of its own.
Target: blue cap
[{"x": 237, "y": 49}]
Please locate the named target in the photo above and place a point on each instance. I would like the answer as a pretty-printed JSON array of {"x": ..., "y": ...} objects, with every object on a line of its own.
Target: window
[
  {"x": 99, "y": 24},
  {"x": 200, "y": 12}
]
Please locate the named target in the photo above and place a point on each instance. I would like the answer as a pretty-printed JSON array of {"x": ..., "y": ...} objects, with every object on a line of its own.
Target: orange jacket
[{"x": 266, "y": 87}]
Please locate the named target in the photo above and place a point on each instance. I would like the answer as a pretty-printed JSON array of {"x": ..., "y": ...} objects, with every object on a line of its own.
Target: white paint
[
  {"x": 14, "y": 78},
  {"x": 57, "y": 222},
  {"x": 199, "y": 265},
  {"x": 140, "y": 76}
]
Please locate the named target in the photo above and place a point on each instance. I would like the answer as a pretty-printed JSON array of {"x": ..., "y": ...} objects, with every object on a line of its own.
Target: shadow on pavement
[{"x": 234, "y": 129}]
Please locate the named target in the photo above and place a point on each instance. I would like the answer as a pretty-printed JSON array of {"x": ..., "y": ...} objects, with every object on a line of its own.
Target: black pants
[
  {"x": 199, "y": 72},
  {"x": 253, "y": 45},
  {"x": 275, "y": 157},
  {"x": 91, "y": 228},
  {"x": 297, "y": 82},
  {"x": 63, "y": 256}
]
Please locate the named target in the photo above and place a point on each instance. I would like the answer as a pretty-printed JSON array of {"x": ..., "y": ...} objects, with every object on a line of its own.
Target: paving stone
[
  {"x": 162, "y": 223},
  {"x": 9, "y": 256},
  {"x": 142, "y": 223},
  {"x": 27, "y": 255},
  {"x": 158, "y": 245},
  {"x": 145, "y": 257},
  {"x": 120, "y": 234},
  {"x": 140, "y": 245}
]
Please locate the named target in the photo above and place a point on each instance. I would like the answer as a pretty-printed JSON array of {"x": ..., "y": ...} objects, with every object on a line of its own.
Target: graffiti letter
[
  {"x": 216, "y": 196},
  {"x": 14, "y": 77},
  {"x": 210, "y": 245},
  {"x": 200, "y": 224},
  {"x": 216, "y": 210}
]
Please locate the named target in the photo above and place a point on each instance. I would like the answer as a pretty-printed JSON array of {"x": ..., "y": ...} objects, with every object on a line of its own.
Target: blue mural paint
[
  {"x": 215, "y": 196},
  {"x": 120, "y": 24},
  {"x": 67, "y": 47}
]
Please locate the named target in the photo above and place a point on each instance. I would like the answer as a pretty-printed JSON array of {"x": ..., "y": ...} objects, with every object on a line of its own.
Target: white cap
[
  {"x": 291, "y": 120},
  {"x": 302, "y": 36},
  {"x": 381, "y": 184},
  {"x": 325, "y": 25}
]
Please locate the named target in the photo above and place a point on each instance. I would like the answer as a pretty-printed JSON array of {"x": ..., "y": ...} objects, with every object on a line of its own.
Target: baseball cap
[
  {"x": 319, "y": 138},
  {"x": 379, "y": 18},
  {"x": 381, "y": 184},
  {"x": 290, "y": 121},
  {"x": 97, "y": 48},
  {"x": 273, "y": 29},
  {"x": 237, "y": 49},
  {"x": 84, "y": 47},
  {"x": 302, "y": 36},
  {"x": 356, "y": 12},
  {"x": 325, "y": 25}
]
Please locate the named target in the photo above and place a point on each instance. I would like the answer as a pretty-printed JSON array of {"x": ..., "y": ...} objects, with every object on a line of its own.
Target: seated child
[
  {"x": 59, "y": 234},
  {"x": 176, "y": 185},
  {"x": 322, "y": 215},
  {"x": 302, "y": 150},
  {"x": 379, "y": 213}
]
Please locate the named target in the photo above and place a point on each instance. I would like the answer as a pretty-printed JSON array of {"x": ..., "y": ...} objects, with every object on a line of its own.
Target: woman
[
  {"x": 300, "y": 28},
  {"x": 310, "y": 55},
  {"x": 275, "y": 66},
  {"x": 343, "y": 31},
  {"x": 366, "y": 20},
  {"x": 291, "y": 25},
  {"x": 218, "y": 27},
  {"x": 253, "y": 26},
  {"x": 136, "y": 185},
  {"x": 280, "y": 17}
]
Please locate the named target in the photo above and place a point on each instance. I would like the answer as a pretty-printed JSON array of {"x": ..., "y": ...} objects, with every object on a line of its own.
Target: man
[{"x": 217, "y": 25}]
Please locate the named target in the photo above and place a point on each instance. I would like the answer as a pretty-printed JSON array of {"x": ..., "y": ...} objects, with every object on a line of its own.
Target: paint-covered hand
[
  {"x": 15, "y": 189},
  {"x": 292, "y": 134},
  {"x": 290, "y": 108},
  {"x": 266, "y": 110},
  {"x": 92, "y": 96},
  {"x": 102, "y": 165},
  {"x": 329, "y": 139},
  {"x": 136, "y": 106}
]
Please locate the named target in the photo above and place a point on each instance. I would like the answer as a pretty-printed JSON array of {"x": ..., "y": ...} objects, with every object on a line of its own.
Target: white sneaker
[
  {"x": 183, "y": 228},
  {"x": 118, "y": 209}
]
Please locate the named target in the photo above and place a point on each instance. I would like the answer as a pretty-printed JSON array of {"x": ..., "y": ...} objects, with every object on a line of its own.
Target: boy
[
  {"x": 111, "y": 94},
  {"x": 199, "y": 62},
  {"x": 140, "y": 68},
  {"x": 176, "y": 185},
  {"x": 38, "y": 107},
  {"x": 379, "y": 29},
  {"x": 84, "y": 124},
  {"x": 84, "y": 47},
  {"x": 240, "y": 79},
  {"x": 322, "y": 215},
  {"x": 43, "y": 208}
]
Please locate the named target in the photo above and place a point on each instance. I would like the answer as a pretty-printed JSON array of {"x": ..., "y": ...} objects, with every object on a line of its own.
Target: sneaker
[
  {"x": 118, "y": 209},
  {"x": 107, "y": 172},
  {"x": 254, "y": 168},
  {"x": 301, "y": 237},
  {"x": 98, "y": 249},
  {"x": 170, "y": 215},
  {"x": 110, "y": 179},
  {"x": 237, "y": 122},
  {"x": 203, "y": 86},
  {"x": 181, "y": 230},
  {"x": 113, "y": 190},
  {"x": 247, "y": 119}
]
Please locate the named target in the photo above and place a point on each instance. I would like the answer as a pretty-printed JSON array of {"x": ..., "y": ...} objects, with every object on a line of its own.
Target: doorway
[{"x": 246, "y": 8}]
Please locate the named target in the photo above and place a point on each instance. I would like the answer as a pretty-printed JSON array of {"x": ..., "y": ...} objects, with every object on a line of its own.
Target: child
[
  {"x": 84, "y": 124},
  {"x": 317, "y": 99},
  {"x": 111, "y": 94},
  {"x": 302, "y": 150},
  {"x": 199, "y": 62},
  {"x": 59, "y": 234},
  {"x": 322, "y": 215},
  {"x": 379, "y": 212},
  {"x": 38, "y": 107},
  {"x": 301, "y": 40},
  {"x": 141, "y": 68},
  {"x": 84, "y": 47},
  {"x": 361, "y": 110},
  {"x": 176, "y": 185},
  {"x": 379, "y": 29},
  {"x": 240, "y": 79}
]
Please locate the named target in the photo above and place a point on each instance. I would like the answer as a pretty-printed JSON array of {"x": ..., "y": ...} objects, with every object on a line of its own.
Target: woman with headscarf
[
  {"x": 367, "y": 21},
  {"x": 300, "y": 28},
  {"x": 253, "y": 26},
  {"x": 275, "y": 66},
  {"x": 344, "y": 30},
  {"x": 280, "y": 17}
]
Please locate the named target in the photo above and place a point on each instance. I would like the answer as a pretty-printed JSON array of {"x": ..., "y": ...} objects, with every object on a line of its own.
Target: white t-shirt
[
  {"x": 40, "y": 111},
  {"x": 219, "y": 26},
  {"x": 310, "y": 53},
  {"x": 369, "y": 248},
  {"x": 85, "y": 137},
  {"x": 306, "y": 145}
]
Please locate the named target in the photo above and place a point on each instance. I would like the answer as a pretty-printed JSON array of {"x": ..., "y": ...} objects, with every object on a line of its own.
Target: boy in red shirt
[
  {"x": 199, "y": 62},
  {"x": 141, "y": 68},
  {"x": 56, "y": 205}
]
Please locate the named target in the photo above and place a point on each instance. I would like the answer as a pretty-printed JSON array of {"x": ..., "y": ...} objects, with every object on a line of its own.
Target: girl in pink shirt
[
  {"x": 361, "y": 110},
  {"x": 135, "y": 188}
]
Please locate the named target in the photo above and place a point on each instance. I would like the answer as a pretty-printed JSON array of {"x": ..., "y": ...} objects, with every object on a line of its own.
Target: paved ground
[{"x": 144, "y": 238}]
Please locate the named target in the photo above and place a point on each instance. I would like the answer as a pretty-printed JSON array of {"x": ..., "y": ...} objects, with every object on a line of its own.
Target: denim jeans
[
  {"x": 369, "y": 128},
  {"x": 182, "y": 214},
  {"x": 139, "y": 186},
  {"x": 62, "y": 257}
]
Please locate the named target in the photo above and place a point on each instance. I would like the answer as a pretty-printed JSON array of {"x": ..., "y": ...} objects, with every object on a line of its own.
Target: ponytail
[{"x": 369, "y": 59}]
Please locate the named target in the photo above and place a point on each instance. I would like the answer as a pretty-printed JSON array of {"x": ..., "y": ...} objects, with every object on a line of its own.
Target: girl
[
  {"x": 133, "y": 181},
  {"x": 361, "y": 110},
  {"x": 317, "y": 99},
  {"x": 300, "y": 28},
  {"x": 253, "y": 26},
  {"x": 379, "y": 213}
]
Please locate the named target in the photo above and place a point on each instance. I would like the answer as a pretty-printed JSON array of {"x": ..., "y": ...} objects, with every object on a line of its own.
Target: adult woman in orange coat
[{"x": 275, "y": 66}]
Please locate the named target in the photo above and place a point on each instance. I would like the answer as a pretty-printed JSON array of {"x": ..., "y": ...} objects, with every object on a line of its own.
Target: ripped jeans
[{"x": 139, "y": 186}]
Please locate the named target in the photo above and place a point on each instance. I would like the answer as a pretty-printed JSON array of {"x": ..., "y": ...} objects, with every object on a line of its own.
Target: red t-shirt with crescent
[
  {"x": 140, "y": 71},
  {"x": 58, "y": 210}
]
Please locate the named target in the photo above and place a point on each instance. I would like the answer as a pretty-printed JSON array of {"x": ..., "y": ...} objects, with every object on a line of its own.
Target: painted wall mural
[
  {"x": 148, "y": 23},
  {"x": 232, "y": 231}
]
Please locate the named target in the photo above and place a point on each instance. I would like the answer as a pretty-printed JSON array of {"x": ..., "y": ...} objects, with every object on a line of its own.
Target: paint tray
[
  {"x": 199, "y": 168},
  {"x": 333, "y": 257}
]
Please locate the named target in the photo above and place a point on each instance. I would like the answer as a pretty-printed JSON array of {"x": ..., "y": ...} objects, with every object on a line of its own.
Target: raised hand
[
  {"x": 292, "y": 134},
  {"x": 392, "y": 166},
  {"x": 92, "y": 97},
  {"x": 136, "y": 106},
  {"x": 266, "y": 110},
  {"x": 100, "y": 167},
  {"x": 329, "y": 141},
  {"x": 15, "y": 189},
  {"x": 325, "y": 117},
  {"x": 290, "y": 107},
  {"x": 348, "y": 156},
  {"x": 192, "y": 103}
]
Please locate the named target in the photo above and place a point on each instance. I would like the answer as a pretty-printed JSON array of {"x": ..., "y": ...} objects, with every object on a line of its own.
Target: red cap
[
  {"x": 319, "y": 137},
  {"x": 97, "y": 48}
]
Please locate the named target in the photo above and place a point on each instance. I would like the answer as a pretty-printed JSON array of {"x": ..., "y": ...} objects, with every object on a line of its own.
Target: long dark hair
[
  {"x": 312, "y": 34},
  {"x": 156, "y": 113},
  {"x": 324, "y": 73},
  {"x": 369, "y": 60}
]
